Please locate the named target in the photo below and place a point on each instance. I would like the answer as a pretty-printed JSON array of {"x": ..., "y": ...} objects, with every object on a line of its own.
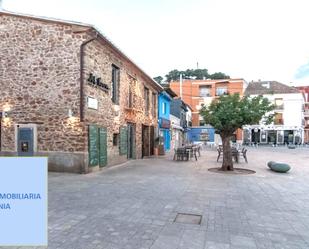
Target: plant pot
[
  {"x": 155, "y": 151},
  {"x": 161, "y": 150}
]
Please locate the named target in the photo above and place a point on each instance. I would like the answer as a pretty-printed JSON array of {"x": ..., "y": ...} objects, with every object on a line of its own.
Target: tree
[
  {"x": 158, "y": 79},
  {"x": 173, "y": 75},
  {"x": 198, "y": 74},
  {"x": 230, "y": 112},
  {"x": 218, "y": 76}
]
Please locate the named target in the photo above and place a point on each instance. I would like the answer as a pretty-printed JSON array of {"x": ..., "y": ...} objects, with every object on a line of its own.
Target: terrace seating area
[
  {"x": 237, "y": 153},
  {"x": 187, "y": 152}
]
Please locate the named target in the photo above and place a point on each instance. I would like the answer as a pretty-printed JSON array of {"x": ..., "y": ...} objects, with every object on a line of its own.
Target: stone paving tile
[
  {"x": 192, "y": 239},
  {"x": 216, "y": 245},
  {"x": 134, "y": 206}
]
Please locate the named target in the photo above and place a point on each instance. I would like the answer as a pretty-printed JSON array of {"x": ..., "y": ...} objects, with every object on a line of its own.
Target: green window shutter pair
[
  {"x": 97, "y": 146},
  {"x": 123, "y": 141}
]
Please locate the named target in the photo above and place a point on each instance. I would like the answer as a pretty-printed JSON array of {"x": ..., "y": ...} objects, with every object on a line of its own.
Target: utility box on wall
[{"x": 25, "y": 141}]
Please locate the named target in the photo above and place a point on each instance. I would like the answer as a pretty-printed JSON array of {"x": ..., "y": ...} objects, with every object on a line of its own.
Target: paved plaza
[{"x": 133, "y": 206}]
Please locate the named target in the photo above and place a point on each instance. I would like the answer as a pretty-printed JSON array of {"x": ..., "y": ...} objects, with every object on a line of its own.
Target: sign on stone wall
[
  {"x": 92, "y": 103},
  {"x": 96, "y": 81}
]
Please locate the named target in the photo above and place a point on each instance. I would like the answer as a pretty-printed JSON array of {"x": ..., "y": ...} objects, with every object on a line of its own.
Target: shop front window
[
  {"x": 263, "y": 136},
  {"x": 280, "y": 137}
]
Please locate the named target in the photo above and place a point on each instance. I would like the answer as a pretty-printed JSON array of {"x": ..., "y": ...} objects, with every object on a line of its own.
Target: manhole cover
[{"x": 188, "y": 218}]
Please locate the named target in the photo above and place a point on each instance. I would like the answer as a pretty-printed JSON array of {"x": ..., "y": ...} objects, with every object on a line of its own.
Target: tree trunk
[{"x": 227, "y": 153}]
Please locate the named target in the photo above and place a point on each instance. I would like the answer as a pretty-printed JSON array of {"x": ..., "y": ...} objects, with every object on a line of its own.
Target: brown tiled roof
[{"x": 261, "y": 87}]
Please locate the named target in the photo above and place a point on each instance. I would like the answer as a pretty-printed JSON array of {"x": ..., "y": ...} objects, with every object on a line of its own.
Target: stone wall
[
  {"x": 40, "y": 83},
  {"x": 99, "y": 59}
]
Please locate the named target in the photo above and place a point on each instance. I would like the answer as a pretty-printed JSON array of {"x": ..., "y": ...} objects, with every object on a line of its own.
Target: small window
[
  {"x": 205, "y": 91},
  {"x": 115, "y": 84},
  {"x": 146, "y": 97},
  {"x": 132, "y": 87},
  {"x": 115, "y": 139},
  {"x": 221, "y": 91},
  {"x": 154, "y": 105},
  {"x": 279, "y": 103},
  {"x": 163, "y": 107},
  {"x": 278, "y": 120}
]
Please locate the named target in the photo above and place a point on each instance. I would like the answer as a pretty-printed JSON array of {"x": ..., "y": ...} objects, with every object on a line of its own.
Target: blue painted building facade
[{"x": 164, "y": 110}]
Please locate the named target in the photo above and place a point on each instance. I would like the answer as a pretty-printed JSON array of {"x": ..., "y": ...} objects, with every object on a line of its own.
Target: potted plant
[{"x": 156, "y": 146}]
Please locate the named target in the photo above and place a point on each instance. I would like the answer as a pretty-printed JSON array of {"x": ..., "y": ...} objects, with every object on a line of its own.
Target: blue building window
[{"x": 163, "y": 107}]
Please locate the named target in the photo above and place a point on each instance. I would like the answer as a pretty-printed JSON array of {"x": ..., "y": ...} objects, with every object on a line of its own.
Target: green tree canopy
[
  {"x": 218, "y": 76},
  {"x": 198, "y": 74},
  {"x": 158, "y": 79},
  {"x": 230, "y": 112}
]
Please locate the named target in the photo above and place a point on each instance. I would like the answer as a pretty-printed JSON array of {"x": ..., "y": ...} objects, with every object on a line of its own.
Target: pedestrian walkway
[{"x": 134, "y": 206}]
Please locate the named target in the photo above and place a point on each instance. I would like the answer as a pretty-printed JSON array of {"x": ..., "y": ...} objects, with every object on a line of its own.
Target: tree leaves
[
  {"x": 198, "y": 74},
  {"x": 230, "y": 112}
]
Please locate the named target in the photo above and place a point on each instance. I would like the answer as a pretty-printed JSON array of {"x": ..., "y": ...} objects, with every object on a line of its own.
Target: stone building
[{"x": 69, "y": 93}]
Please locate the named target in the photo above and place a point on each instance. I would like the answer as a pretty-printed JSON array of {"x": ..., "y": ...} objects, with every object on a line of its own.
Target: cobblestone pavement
[{"x": 134, "y": 206}]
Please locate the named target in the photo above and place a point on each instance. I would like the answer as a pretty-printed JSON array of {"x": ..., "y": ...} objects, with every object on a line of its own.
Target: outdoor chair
[
  {"x": 243, "y": 153},
  {"x": 181, "y": 154},
  {"x": 194, "y": 150},
  {"x": 219, "y": 153},
  {"x": 235, "y": 154}
]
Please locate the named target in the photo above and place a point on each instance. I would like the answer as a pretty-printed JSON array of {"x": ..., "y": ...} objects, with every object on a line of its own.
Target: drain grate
[{"x": 188, "y": 218}]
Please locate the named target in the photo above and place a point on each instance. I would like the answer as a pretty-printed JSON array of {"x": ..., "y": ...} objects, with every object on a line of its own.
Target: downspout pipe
[{"x": 82, "y": 62}]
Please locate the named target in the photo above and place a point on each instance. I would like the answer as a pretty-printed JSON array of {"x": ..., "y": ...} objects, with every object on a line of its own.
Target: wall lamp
[
  {"x": 70, "y": 113},
  {"x": 4, "y": 114}
]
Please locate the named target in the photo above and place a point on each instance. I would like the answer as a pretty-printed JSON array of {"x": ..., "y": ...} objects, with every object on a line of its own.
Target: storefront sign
[
  {"x": 95, "y": 81},
  {"x": 165, "y": 123},
  {"x": 204, "y": 136}
]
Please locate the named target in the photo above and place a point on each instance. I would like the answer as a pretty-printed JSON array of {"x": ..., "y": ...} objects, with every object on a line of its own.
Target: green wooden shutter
[
  {"x": 123, "y": 141},
  {"x": 134, "y": 143},
  {"x": 93, "y": 145},
  {"x": 102, "y": 147}
]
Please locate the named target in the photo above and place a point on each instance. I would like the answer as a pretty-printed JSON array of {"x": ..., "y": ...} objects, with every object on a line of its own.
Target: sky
[{"x": 250, "y": 39}]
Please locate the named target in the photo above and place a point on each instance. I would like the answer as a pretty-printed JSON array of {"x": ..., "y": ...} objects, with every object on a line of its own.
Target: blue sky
[{"x": 256, "y": 39}]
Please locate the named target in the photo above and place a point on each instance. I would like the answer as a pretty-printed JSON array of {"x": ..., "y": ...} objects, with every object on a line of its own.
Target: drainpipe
[{"x": 82, "y": 51}]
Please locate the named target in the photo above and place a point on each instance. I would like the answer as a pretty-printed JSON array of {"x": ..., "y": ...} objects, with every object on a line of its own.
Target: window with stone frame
[
  {"x": 115, "y": 84},
  {"x": 132, "y": 90},
  {"x": 154, "y": 105},
  {"x": 146, "y": 98}
]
